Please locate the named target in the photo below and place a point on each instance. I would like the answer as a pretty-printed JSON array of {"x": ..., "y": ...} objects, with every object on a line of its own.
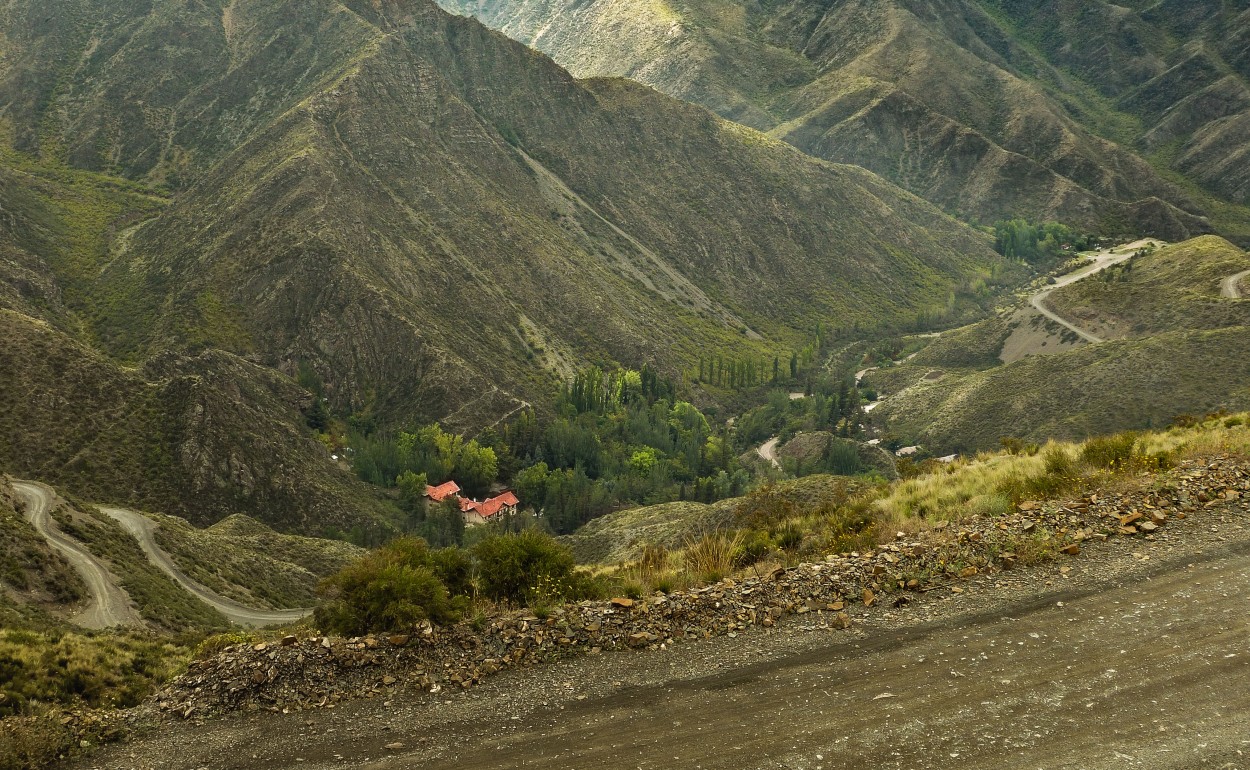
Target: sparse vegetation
[
  {"x": 39, "y": 669},
  {"x": 160, "y": 600}
]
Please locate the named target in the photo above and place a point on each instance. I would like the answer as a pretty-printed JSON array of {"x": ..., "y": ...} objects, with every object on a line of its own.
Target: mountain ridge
[{"x": 947, "y": 98}]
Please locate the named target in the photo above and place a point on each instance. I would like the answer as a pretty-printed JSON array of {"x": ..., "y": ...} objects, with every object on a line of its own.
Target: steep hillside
[
  {"x": 204, "y": 436},
  {"x": 440, "y": 222},
  {"x": 1165, "y": 290},
  {"x": 36, "y": 582},
  {"x": 1174, "y": 346},
  {"x": 972, "y": 104}
]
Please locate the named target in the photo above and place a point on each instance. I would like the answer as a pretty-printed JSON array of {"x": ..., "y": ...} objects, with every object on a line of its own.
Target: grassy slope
[
  {"x": 1182, "y": 355},
  {"x": 620, "y": 536},
  {"x": 1167, "y": 290},
  {"x": 1093, "y": 389},
  {"x": 243, "y": 559},
  {"x": 833, "y": 519}
]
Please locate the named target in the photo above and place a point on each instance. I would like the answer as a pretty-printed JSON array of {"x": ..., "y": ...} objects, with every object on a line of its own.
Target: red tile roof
[
  {"x": 443, "y": 491},
  {"x": 490, "y": 507}
]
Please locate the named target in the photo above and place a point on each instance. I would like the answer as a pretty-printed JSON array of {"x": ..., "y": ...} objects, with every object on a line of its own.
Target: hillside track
[
  {"x": 1230, "y": 288},
  {"x": 109, "y": 604},
  {"x": 1133, "y": 654},
  {"x": 768, "y": 451},
  {"x": 143, "y": 530},
  {"x": 1099, "y": 263}
]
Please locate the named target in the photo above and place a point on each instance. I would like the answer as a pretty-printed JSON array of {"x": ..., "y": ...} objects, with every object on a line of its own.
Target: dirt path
[
  {"x": 1134, "y": 654},
  {"x": 142, "y": 529},
  {"x": 768, "y": 451},
  {"x": 109, "y": 605},
  {"x": 1230, "y": 288},
  {"x": 1100, "y": 262},
  {"x": 1130, "y": 676}
]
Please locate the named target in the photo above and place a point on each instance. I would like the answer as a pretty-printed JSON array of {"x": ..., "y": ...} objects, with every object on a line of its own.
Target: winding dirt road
[
  {"x": 1100, "y": 262},
  {"x": 768, "y": 451},
  {"x": 143, "y": 529},
  {"x": 1230, "y": 288},
  {"x": 109, "y": 605}
]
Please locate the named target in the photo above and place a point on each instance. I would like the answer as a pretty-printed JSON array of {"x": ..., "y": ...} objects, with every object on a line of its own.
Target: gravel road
[
  {"x": 142, "y": 529},
  {"x": 1098, "y": 263},
  {"x": 109, "y": 604},
  {"x": 768, "y": 451},
  {"x": 1133, "y": 654},
  {"x": 1230, "y": 288}
]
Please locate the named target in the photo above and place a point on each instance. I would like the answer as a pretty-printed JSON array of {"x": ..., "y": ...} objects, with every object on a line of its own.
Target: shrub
[
  {"x": 510, "y": 566},
  {"x": 1058, "y": 462},
  {"x": 1109, "y": 452},
  {"x": 789, "y": 537},
  {"x": 754, "y": 547},
  {"x": 1013, "y": 446},
  {"x": 664, "y": 584},
  {"x": 712, "y": 556},
  {"x": 654, "y": 558},
  {"x": 391, "y": 588},
  {"x": 765, "y": 507},
  {"x": 454, "y": 567},
  {"x": 219, "y": 642}
]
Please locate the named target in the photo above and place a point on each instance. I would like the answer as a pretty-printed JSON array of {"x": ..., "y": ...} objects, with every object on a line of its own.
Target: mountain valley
[{"x": 379, "y": 390}]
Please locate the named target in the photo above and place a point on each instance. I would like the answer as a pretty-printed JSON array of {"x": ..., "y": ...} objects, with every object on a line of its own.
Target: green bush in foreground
[
  {"x": 394, "y": 587},
  {"x": 526, "y": 567}
]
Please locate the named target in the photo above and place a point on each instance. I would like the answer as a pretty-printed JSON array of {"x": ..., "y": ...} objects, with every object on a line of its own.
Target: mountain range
[
  {"x": 426, "y": 218},
  {"x": 1121, "y": 118}
]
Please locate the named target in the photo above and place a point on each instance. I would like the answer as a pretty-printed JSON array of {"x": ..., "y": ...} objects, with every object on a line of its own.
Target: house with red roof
[
  {"x": 443, "y": 491},
  {"x": 476, "y": 513}
]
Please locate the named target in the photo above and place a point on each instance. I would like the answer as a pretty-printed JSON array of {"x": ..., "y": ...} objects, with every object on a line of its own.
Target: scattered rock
[{"x": 303, "y": 673}]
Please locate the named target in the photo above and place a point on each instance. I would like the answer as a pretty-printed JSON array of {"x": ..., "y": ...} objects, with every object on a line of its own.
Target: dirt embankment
[{"x": 1130, "y": 652}]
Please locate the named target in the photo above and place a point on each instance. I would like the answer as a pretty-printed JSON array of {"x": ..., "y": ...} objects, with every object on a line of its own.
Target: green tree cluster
[
  {"x": 430, "y": 451},
  {"x": 1033, "y": 243}
]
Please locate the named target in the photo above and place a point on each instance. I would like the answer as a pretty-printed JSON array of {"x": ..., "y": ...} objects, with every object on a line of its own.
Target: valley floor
[{"x": 1133, "y": 654}]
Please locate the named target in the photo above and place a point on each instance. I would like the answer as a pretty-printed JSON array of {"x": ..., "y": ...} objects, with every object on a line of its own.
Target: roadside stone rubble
[{"x": 310, "y": 672}]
